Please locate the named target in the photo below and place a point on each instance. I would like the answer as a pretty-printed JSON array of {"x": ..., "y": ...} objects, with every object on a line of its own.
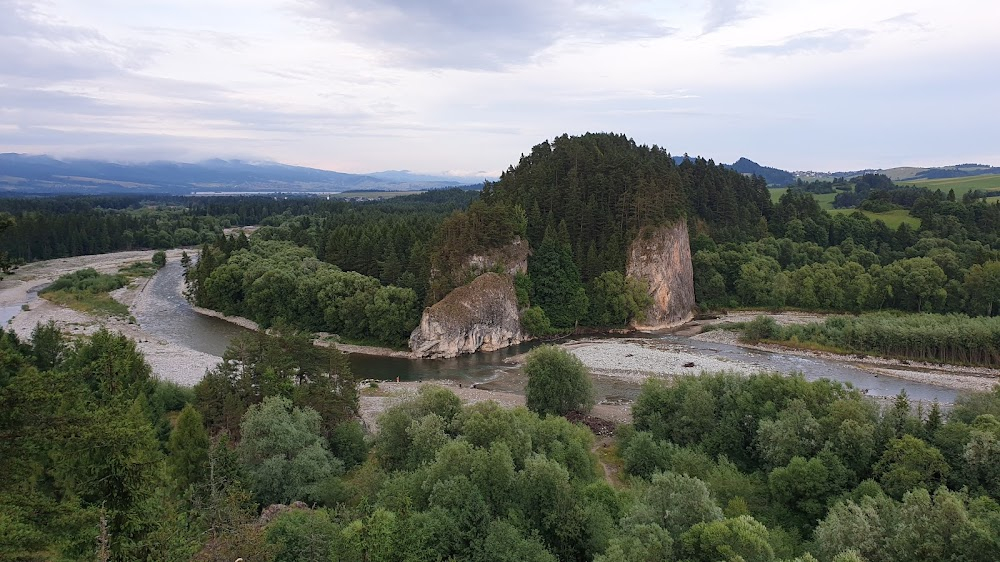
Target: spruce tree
[{"x": 188, "y": 448}]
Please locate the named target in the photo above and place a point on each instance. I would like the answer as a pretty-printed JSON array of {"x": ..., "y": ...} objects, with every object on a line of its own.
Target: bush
[
  {"x": 761, "y": 328},
  {"x": 558, "y": 382},
  {"x": 347, "y": 443},
  {"x": 535, "y": 322},
  {"x": 86, "y": 280},
  {"x": 159, "y": 258}
]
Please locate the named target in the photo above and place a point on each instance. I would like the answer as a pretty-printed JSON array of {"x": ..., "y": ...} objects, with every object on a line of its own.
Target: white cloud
[{"x": 432, "y": 86}]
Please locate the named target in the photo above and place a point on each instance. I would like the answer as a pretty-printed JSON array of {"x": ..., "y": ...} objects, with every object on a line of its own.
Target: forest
[
  {"x": 101, "y": 461},
  {"x": 578, "y": 202}
]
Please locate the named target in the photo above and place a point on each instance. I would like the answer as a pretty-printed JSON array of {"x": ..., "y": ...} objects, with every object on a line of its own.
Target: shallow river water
[{"x": 169, "y": 316}]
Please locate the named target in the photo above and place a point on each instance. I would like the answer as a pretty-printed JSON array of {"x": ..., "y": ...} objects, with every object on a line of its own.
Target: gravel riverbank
[{"x": 169, "y": 361}]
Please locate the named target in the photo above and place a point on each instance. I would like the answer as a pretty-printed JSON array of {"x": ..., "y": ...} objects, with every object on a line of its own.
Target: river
[{"x": 168, "y": 315}]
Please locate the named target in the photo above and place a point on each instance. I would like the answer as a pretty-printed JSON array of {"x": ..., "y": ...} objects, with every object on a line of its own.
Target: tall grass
[{"x": 87, "y": 290}]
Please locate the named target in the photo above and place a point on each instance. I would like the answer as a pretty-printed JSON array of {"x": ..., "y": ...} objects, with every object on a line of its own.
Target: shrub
[{"x": 558, "y": 382}]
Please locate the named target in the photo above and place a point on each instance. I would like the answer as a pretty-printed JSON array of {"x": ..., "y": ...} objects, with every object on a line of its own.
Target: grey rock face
[
  {"x": 480, "y": 316},
  {"x": 662, "y": 258}
]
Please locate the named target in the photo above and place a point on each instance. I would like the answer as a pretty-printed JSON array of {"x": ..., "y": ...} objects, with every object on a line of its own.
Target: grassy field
[
  {"x": 139, "y": 269},
  {"x": 825, "y": 199},
  {"x": 892, "y": 219},
  {"x": 89, "y": 303},
  {"x": 87, "y": 290},
  {"x": 960, "y": 185}
]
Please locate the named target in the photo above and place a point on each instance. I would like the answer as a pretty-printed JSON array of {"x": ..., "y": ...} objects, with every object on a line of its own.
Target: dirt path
[{"x": 604, "y": 449}]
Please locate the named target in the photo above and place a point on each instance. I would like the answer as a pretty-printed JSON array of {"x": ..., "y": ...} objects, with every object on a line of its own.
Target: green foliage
[
  {"x": 615, "y": 301},
  {"x": 640, "y": 543},
  {"x": 87, "y": 290},
  {"x": 942, "y": 526},
  {"x": 86, "y": 280},
  {"x": 159, "y": 258},
  {"x": 287, "y": 364},
  {"x": 607, "y": 188},
  {"x": 761, "y": 328},
  {"x": 558, "y": 382},
  {"x": 522, "y": 289},
  {"x": 77, "y": 447},
  {"x": 477, "y": 231},
  {"x": 302, "y": 535},
  {"x": 187, "y": 459},
  {"x": 951, "y": 338},
  {"x": 278, "y": 283},
  {"x": 741, "y": 539},
  {"x": 139, "y": 269},
  {"x": 285, "y": 455},
  {"x": 555, "y": 283},
  {"x": 910, "y": 463},
  {"x": 675, "y": 503},
  {"x": 347, "y": 443},
  {"x": 536, "y": 322},
  {"x": 48, "y": 346}
]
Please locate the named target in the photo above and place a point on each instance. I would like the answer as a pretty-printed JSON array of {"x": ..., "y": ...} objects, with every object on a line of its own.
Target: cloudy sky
[{"x": 466, "y": 86}]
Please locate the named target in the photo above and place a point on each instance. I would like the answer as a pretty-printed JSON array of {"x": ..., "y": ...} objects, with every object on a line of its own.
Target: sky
[{"x": 464, "y": 87}]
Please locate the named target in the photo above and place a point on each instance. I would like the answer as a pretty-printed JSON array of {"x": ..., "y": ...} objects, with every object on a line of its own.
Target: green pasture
[
  {"x": 892, "y": 219},
  {"x": 825, "y": 199},
  {"x": 960, "y": 185}
]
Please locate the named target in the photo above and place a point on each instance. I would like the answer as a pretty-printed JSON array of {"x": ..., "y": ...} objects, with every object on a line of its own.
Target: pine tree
[{"x": 188, "y": 448}]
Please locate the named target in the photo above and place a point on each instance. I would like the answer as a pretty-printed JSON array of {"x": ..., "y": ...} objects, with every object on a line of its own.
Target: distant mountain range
[
  {"x": 773, "y": 176},
  {"x": 21, "y": 173}
]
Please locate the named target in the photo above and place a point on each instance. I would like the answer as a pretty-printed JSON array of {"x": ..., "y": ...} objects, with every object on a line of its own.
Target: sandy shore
[{"x": 168, "y": 360}]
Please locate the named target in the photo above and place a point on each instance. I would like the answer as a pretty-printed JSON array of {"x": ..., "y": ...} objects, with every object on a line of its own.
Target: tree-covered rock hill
[
  {"x": 595, "y": 192},
  {"x": 581, "y": 203}
]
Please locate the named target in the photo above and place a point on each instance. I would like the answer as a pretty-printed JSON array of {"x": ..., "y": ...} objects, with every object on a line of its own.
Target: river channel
[{"x": 167, "y": 315}]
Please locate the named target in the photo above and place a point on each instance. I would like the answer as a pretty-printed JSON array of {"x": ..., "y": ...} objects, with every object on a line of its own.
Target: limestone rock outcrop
[
  {"x": 479, "y": 316},
  {"x": 512, "y": 258},
  {"x": 662, "y": 258}
]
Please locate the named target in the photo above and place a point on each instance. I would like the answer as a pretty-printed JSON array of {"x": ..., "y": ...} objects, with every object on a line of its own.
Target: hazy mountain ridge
[
  {"x": 774, "y": 176},
  {"x": 21, "y": 173}
]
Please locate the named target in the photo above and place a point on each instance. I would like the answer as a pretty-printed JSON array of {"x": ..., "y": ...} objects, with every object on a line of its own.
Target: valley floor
[{"x": 619, "y": 366}]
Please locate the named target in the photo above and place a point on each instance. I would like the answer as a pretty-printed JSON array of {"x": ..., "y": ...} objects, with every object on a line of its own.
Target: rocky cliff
[
  {"x": 662, "y": 258},
  {"x": 512, "y": 258},
  {"x": 479, "y": 316}
]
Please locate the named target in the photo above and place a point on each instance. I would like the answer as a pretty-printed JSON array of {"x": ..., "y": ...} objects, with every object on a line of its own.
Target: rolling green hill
[{"x": 961, "y": 185}]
